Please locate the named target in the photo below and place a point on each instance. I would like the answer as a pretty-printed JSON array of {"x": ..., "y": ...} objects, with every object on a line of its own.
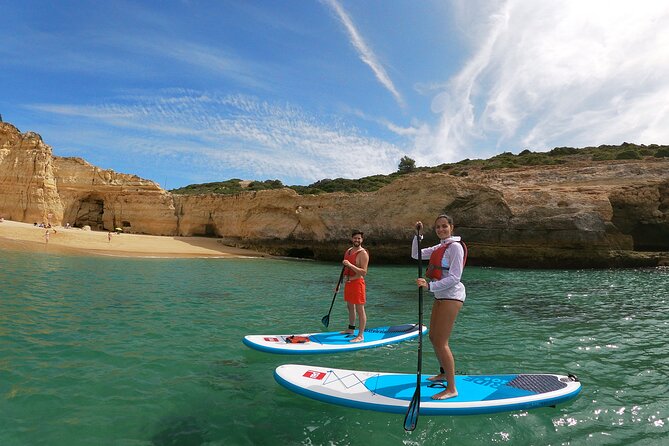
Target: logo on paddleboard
[
  {"x": 314, "y": 374},
  {"x": 271, "y": 339}
]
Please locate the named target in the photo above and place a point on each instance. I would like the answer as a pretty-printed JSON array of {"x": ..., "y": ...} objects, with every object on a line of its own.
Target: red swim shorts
[{"x": 354, "y": 291}]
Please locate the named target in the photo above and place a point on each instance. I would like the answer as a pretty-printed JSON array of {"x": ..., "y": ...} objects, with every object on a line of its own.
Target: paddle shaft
[
  {"x": 326, "y": 319},
  {"x": 411, "y": 418}
]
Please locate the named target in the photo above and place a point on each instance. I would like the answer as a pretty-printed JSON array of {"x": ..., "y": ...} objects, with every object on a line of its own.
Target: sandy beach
[{"x": 18, "y": 236}]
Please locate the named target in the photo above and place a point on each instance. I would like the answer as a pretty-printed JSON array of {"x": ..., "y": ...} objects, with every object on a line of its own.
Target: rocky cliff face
[
  {"x": 36, "y": 186},
  {"x": 611, "y": 213},
  {"x": 28, "y": 189},
  {"x": 104, "y": 199}
]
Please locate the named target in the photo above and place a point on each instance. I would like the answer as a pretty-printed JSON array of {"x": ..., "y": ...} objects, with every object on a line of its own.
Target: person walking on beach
[
  {"x": 447, "y": 260},
  {"x": 46, "y": 236},
  {"x": 355, "y": 262}
]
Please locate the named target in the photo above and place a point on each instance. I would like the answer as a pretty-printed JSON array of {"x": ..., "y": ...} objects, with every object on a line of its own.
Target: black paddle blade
[
  {"x": 411, "y": 418},
  {"x": 326, "y": 320}
]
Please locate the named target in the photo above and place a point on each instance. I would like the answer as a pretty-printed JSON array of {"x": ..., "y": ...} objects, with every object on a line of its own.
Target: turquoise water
[{"x": 111, "y": 351}]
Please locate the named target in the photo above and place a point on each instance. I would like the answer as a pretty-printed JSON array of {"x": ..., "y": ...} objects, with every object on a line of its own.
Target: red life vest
[
  {"x": 351, "y": 256},
  {"x": 434, "y": 268}
]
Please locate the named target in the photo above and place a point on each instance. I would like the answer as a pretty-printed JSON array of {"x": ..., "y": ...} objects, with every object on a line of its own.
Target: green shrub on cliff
[
  {"x": 561, "y": 151},
  {"x": 265, "y": 185},
  {"x": 406, "y": 165},
  {"x": 663, "y": 152},
  {"x": 366, "y": 184},
  {"x": 603, "y": 156},
  {"x": 227, "y": 187},
  {"x": 628, "y": 155}
]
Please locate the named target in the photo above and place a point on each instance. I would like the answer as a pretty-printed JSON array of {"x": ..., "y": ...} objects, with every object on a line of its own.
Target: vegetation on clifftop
[{"x": 559, "y": 155}]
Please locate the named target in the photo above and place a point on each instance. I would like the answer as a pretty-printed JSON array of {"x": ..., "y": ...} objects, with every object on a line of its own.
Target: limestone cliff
[
  {"x": 36, "y": 186},
  {"x": 549, "y": 217},
  {"x": 587, "y": 214},
  {"x": 104, "y": 199},
  {"x": 28, "y": 189}
]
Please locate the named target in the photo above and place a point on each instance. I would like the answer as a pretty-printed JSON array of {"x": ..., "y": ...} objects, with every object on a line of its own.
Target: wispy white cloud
[
  {"x": 557, "y": 73},
  {"x": 366, "y": 54},
  {"x": 223, "y": 134},
  {"x": 132, "y": 53},
  {"x": 209, "y": 61}
]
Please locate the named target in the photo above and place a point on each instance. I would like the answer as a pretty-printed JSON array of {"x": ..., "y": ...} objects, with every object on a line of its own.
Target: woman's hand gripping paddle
[
  {"x": 411, "y": 418},
  {"x": 326, "y": 318}
]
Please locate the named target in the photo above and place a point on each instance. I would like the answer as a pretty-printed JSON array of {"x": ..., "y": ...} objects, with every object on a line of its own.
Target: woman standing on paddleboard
[{"x": 447, "y": 260}]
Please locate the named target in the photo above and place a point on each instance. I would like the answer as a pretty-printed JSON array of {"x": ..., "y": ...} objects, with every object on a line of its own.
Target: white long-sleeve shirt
[{"x": 449, "y": 286}]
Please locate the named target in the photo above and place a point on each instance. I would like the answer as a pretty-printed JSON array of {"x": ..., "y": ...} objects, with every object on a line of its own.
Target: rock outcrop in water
[{"x": 583, "y": 214}]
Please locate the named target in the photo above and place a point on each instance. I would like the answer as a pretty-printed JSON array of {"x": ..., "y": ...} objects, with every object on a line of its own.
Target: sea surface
[{"x": 119, "y": 351}]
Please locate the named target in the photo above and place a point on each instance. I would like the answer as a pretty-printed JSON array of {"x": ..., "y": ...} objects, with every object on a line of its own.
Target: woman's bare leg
[{"x": 444, "y": 313}]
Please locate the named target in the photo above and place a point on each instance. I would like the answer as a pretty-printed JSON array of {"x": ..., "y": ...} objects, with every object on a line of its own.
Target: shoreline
[{"x": 26, "y": 237}]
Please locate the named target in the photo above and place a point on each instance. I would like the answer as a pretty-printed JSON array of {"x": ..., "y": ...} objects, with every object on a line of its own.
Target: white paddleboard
[
  {"x": 392, "y": 392},
  {"x": 331, "y": 342}
]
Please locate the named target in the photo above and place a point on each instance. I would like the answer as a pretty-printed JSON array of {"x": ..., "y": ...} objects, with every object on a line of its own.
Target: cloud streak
[
  {"x": 545, "y": 75},
  {"x": 364, "y": 51},
  {"x": 228, "y": 134}
]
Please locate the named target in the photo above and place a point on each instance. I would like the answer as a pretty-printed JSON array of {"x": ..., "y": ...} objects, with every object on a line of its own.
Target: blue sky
[{"x": 190, "y": 91}]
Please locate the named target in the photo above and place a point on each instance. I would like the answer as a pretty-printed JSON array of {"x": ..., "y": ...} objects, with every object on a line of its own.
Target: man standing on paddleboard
[{"x": 355, "y": 262}]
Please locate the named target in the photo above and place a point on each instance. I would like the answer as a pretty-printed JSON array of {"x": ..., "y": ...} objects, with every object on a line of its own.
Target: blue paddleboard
[
  {"x": 331, "y": 342},
  {"x": 392, "y": 392}
]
